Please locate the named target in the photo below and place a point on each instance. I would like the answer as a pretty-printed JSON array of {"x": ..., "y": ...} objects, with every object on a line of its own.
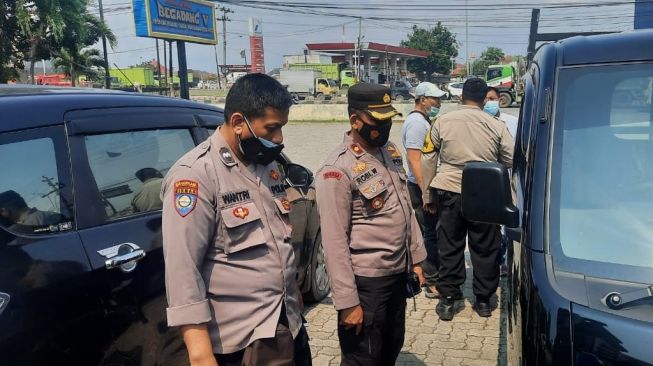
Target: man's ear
[
  {"x": 237, "y": 122},
  {"x": 355, "y": 121}
]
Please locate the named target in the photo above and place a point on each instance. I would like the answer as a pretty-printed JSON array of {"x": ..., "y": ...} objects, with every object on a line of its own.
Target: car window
[
  {"x": 603, "y": 166},
  {"x": 33, "y": 183},
  {"x": 129, "y": 167}
]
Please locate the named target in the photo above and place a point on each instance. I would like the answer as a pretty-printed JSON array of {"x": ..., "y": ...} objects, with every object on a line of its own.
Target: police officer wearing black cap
[{"x": 372, "y": 241}]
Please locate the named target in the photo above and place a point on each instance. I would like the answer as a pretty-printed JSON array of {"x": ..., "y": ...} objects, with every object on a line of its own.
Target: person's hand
[
  {"x": 430, "y": 208},
  {"x": 420, "y": 274},
  {"x": 352, "y": 317}
]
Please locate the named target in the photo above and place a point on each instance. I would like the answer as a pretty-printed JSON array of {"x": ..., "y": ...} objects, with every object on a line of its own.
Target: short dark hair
[
  {"x": 491, "y": 88},
  {"x": 12, "y": 200},
  {"x": 253, "y": 93},
  {"x": 147, "y": 173},
  {"x": 475, "y": 90}
]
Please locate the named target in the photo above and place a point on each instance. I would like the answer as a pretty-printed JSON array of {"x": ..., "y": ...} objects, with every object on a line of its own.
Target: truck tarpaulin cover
[{"x": 184, "y": 20}]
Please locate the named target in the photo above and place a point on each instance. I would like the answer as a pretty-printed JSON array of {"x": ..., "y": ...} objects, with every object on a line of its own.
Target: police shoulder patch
[
  {"x": 332, "y": 174},
  {"x": 185, "y": 195}
]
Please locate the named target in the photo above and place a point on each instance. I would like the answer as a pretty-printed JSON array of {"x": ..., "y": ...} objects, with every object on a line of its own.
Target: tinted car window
[
  {"x": 603, "y": 166},
  {"x": 32, "y": 199},
  {"x": 129, "y": 167}
]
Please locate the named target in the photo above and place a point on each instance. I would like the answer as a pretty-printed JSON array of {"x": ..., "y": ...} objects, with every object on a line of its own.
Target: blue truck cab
[{"x": 578, "y": 205}]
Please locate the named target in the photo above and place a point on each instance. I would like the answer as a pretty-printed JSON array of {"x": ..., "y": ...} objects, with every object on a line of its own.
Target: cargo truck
[
  {"x": 344, "y": 76},
  {"x": 503, "y": 77},
  {"x": 305, "y": 83}
]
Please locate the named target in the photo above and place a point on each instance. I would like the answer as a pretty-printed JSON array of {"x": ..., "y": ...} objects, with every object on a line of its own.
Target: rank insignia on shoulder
[
  {"x": 359, "y": 167},
  {"x": 241, "y": 212},
  {"x": 285, "y": 203},
  {"x": 356, "y": 149},
  {"x": 377, "y": 203},
  {"x": 332, "y": 174},
  {"x": 226, "y": 156},
  {"x": 274, "y": 174},
  {"x": 186, "y": 193}
]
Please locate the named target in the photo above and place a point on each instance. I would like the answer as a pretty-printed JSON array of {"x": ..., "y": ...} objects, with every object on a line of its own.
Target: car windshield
[{"x": 601, "y": 201}]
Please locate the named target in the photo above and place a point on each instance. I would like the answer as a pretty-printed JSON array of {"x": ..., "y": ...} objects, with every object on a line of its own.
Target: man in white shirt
[{"x": 413, "y": 136}]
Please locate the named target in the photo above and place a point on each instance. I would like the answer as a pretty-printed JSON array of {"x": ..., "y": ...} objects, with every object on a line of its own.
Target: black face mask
[
  {"x": 259, "y": 150},
  {"x": 375, "y": 136}
]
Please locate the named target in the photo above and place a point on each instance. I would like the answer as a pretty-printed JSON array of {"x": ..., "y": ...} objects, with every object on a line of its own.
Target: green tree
[
  {"x": 493, "y": 54},
  {"x": 490, "y": 56},
  {"x": 13, "y": 44},
  {"x": 87, "y": 62},
  {"x": 73, "y": 56},
  {"x": 440, "y": 42}
]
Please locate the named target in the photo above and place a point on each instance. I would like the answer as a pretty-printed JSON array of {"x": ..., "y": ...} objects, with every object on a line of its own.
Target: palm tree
[
  {"x": 87, "y": 62},
  {"x": 55, "y": 26},
  {"x": 73, "y": 56},
  {"x": 43, "y": 22}
]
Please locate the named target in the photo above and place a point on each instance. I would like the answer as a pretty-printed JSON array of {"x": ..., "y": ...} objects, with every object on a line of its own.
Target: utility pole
[
  {"x": 217, "y": 65},
  {"x": 172, "y": 79},
  {"x": 224, "y": 20},
  {"x": 165, "y": 61},
  {"x": 358, "y": 55},
  {"x": 158, "y": 64},
  {"x": 107, "y": 77},
  {"x": 467, "y": 38}
]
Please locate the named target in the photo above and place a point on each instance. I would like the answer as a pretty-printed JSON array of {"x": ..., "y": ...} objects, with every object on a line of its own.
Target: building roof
[{"x": 372, "y": 47}]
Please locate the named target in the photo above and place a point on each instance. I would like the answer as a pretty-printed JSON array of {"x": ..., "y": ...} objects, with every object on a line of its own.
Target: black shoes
[
  {"x": 483, "y": 308},
  {"x": 446, "y": 308}
]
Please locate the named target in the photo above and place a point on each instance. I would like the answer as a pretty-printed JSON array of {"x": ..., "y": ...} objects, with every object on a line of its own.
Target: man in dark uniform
[
  {"x": 371, "y": 238},
  {"x": 230, "y": 273}
]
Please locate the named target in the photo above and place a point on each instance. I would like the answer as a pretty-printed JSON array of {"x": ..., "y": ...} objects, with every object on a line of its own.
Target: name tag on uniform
[{"x": 231, "y": 198}]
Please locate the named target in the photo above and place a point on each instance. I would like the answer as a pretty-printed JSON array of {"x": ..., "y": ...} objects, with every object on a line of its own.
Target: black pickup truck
[{"x": 579, "y": 205}]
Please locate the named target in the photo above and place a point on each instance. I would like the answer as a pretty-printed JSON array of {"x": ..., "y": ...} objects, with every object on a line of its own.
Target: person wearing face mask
[
  {"x": 413, "y": 135},
  {"x": 230, "y": 273},
  {"x": 372, "y": 241},
  {"x": 492, "y": 108}
]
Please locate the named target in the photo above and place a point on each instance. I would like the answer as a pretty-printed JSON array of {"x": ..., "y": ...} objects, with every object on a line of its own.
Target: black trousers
[
  {"x": 383, "y": 300},
  {"x": 428, "y": 224},
  {"x": 281, "y": 350},
  {"x": 484, "y": 245}
]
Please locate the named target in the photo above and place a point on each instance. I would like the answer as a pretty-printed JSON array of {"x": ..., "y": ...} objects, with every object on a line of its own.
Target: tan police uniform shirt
[
  {"x": 366, "y": 217},
  {"x": 226, "y": 241},
  {"x": 463, "y": 136},
  {"x": 147, "y": 199}
]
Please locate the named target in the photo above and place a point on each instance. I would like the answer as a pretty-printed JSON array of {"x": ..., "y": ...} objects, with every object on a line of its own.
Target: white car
[{"x": 455, "y": 90}]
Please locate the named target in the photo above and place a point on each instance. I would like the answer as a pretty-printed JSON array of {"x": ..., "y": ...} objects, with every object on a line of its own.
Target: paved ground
[{"x": 467, "y": 340}]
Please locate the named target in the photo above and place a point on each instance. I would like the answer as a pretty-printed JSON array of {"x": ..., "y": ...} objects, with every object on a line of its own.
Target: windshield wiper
[{"x": 616, "y": 300}]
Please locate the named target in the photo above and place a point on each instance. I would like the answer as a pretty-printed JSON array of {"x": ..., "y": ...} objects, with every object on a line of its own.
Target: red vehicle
[{"x": 53, "y": 79}]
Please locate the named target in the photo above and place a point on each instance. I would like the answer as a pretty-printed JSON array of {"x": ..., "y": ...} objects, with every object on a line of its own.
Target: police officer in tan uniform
[
  {"x": 370, "y": 235},
  {"x": 459, "y": 137},
  {"x": 230, "y": 275}
]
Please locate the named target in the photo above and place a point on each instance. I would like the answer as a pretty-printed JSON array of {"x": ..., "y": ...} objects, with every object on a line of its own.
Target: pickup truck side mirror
[
  {"x": 486, "y": 195},
  {"x": 297, "y": 176}
]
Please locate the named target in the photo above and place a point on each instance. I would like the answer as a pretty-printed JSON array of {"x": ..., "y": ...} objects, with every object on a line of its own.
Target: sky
[{"x": 491, "y": 23}]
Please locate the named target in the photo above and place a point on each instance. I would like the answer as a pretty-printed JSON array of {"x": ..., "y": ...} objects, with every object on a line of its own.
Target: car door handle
[{"x": 127, "y": 256}]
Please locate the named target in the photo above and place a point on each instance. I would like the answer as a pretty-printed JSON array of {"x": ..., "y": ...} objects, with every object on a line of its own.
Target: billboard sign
[
  {"x": 183, "y": 20},
  {"x": 255, "y": 27}
]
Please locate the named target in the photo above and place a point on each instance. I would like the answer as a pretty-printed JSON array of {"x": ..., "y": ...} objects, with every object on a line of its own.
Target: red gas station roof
[{"x": 367, "y": 47}]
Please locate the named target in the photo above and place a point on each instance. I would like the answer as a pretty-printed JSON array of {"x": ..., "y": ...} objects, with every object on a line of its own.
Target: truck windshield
[{"x": 601, "y": 194}]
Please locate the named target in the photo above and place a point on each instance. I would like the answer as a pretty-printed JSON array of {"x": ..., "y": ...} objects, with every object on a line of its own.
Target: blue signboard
[
  {"x": 643, "y": 14},
  {"x": 184, "y": 20}
]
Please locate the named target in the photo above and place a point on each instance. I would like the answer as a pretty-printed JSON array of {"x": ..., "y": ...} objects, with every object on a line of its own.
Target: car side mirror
[
  {"x": 297, "y": 176},
  {"x": 486, "y": 195}
]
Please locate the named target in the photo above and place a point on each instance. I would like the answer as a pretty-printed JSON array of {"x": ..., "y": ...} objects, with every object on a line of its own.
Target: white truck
[{"x": 304, "y": 83}]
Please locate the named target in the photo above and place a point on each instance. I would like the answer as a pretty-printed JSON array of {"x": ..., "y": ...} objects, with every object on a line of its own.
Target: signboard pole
[{"x": 184, "y": 93}]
